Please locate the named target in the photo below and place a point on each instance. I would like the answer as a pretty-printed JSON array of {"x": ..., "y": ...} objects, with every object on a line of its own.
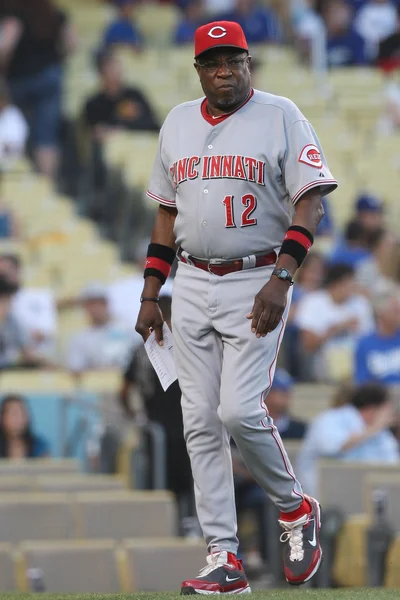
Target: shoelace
[
  {"x": 295, "y": 538},
  {"x": 214, "y": 561}
]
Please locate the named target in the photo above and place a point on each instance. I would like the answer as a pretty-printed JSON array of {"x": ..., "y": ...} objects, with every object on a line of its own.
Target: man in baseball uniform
[{"x": 239, "y": 177}]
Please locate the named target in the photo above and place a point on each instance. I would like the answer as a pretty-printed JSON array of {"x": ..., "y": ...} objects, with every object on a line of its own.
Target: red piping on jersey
[
  {"x": 212, "y": 121},
  {"x": 312, "y": 184},
  {"x": 271, "y": 426},
  {"x": 159, "y": 199}
]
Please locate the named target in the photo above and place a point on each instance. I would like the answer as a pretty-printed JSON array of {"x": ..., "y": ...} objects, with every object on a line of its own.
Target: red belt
[{"x": 223, "y": 267}]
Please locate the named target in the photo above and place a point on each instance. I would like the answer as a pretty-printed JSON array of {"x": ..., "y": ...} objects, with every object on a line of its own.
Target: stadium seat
[
  {"x": 309, "y": 400},
  {"x": 392, "y": 576},
  {"x": 78, "y": 483},
  {"x": 157, "y": 23},
  {"x": 8, "y": 581},
  {"x": 17, "y": 483},
  {"x": 342, "y": 484},
  {"x": 26, "y": 381},
  {"x": 350, "y": 564},
  {"x": 39, "y": 466},
  {"x": 125, "y": 514},
  {"x": 73, "y": 566},
  {"x": 390, "y": 484},
  {"x": 175, "y": 559},
  {"x": 102, "y": 382},
  {"x": 35, "y": 517}
]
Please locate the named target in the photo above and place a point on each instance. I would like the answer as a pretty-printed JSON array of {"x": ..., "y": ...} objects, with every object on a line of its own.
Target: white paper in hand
[{"x": 162, "y": 357}]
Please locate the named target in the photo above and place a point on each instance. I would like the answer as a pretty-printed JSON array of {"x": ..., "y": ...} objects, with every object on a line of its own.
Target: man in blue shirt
[
  {"x": 377, "y": 355},
  {"x": 259, "y": 23},
  {"x": 358, "y": 431},
  {"x": 279, "y": 399},
  {"x": 194, "y": 16},
  {"x": 352, "y": 249},
  {"x": 123, "y": 30},
  {"x": 345, "y": 47}
]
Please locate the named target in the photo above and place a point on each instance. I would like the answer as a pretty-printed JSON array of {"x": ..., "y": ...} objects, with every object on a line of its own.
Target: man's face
[
  {"x": 111, "y": 71},
  {"x": 10, "y": 270},
  {"x": 97, "y": 310},
  {"x": 371, "y": 220},
  {"x": 224, "y": 76},
  {"x": 344, "y": 288},
  {"x": 337, "y": 17},
  {"x": 244, "y": 5},
  {"x": 127, "y": 9}
]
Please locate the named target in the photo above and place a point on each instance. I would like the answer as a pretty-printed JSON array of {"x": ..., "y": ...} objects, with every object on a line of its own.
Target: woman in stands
[
  {"x": 34, "y": 38},
  {"x": 17, "y": 440}
]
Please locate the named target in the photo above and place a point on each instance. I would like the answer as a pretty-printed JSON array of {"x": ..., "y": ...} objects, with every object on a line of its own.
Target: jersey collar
[{"x": 215, "y": 120}]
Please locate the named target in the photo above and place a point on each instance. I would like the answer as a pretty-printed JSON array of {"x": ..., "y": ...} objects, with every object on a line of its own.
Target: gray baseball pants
[{"x": 225, "y": 374}]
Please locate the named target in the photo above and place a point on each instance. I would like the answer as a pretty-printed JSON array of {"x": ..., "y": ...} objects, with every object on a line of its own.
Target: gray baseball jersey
[{"x": 235, "y": 180}]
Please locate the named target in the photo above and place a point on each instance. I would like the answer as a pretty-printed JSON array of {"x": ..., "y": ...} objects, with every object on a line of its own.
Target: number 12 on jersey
[{"x": 249, "y": 201}]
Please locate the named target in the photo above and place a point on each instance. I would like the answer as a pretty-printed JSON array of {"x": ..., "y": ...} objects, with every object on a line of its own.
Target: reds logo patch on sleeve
[{"x": 310, "y": 155}]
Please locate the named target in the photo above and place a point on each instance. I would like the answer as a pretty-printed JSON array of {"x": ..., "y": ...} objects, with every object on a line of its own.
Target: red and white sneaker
[
  {"x": 223, "y": 574},
  {"x": 302, "y": 554}
]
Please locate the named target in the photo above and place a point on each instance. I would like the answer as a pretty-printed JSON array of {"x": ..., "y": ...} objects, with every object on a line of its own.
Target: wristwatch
[{"x": 283, "y": 274}]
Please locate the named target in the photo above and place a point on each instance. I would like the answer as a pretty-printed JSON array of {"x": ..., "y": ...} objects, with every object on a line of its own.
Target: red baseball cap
[{"x": 219, "y": 34}]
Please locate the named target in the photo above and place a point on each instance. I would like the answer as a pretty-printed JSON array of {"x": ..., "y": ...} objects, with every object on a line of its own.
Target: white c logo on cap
[{"x": 217, "y": 35}]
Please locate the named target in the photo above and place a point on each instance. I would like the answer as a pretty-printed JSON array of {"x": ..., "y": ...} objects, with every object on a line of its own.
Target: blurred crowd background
[{"x": 84, "y": 89}]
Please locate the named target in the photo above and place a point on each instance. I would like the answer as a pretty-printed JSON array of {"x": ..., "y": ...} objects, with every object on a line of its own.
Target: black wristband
[
  {"x": 160, "y": 251},
  {"x": 156, "y": 300},
  {"x": 298, "y": 241},
  {"x": 295, "y": 250}
]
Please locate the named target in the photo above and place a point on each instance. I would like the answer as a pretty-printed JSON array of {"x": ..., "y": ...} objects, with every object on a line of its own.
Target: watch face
[{"x": 284, "y": 273}]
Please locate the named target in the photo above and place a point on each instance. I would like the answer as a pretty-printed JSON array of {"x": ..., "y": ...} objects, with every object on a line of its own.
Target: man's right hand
[{"x": 150, "y": 319}]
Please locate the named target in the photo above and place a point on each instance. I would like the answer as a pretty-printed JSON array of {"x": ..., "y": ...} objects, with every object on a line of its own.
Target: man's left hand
[{"x": 269, "y": 306}]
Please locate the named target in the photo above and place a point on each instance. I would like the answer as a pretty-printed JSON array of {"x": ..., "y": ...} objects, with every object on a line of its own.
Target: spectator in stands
[
  {"x": 14, "y": 341},
  {"x": 377, "y": 355},
  {"x": 105, "y": 344},
  {"x": 308, "y": 279},
  {"x": 389, "y": 121},
  {"x": 215, "y": 8},
  {"x": 358, "y": 431},
  {"x": 370, "y": 212},
  {"x": 331, "y": 320},
  {"x": 34, "y": 309},
  {"x": 116, "y": 105},
  {"x": 326, "y": 227},
  {"x": 352, "y": 249},
  {"x": 375, "y": 21},
  {"x": 17, "y": 438},
  {"x": 13, "y": 130},
  {"x": 309, "y": 33},
  {"x": 163, "y": 408},
  {"x": 124, "y": 294},
  {"x": 193, "y": 17},
  {"x": 278, "y": 403},
  {"x": 377, "y": 268},
  {"x": 260, "y": 24},
  {"x": 345, "y": 47},
  {"x": 123, "y": 31},
  {"x": 35, "y": 38},
  {"x": 389, "y": 49},
  {"x": 249, "y": 495}
]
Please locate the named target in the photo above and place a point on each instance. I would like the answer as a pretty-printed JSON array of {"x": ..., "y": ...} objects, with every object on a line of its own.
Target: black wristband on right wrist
[{"x": 146, "y": 299}]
